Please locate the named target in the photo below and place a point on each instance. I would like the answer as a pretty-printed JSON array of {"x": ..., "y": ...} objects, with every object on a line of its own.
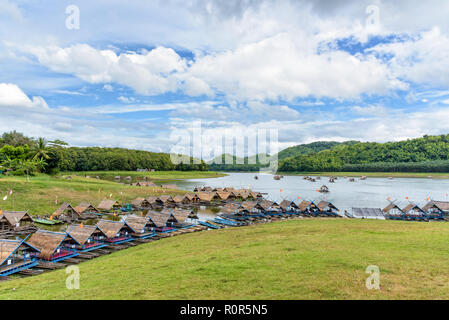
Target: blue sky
[{"x": 136, "y": 74}]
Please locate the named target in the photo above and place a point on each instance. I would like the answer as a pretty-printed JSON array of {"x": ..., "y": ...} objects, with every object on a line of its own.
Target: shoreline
[{"x": 420, "y": 175}]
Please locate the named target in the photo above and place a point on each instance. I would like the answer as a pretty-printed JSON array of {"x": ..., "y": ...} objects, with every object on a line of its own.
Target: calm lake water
[{"x": 370, "y": 193}]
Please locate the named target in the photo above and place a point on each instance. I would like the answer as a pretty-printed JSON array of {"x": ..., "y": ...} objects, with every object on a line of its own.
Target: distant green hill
[
  {"x": 254, "y": 163},
  {"x": 427, "y": 154},
  {"x": 304, "y": 149}
]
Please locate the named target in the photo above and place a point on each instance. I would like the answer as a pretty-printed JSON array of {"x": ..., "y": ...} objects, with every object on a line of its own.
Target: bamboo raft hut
[
  {"x": 16, "y": 222},
  {"x": 414, "y": 213},
  {"x": 16, "y": 256},
  {"x": 66, "y": 213},
  {"x": 436, "y": 210},
  {"x": 143, "y": 227},
  {"x": 327, "y": 209},
  {"x": 393, "y": 212},
  {"x": 53, "y": 246},
  {"x": 87, "y": 238},
  {"x": 117, "y": 232},
  {"x": 107, "y": 205},
  {"x": 87, "y": 211},
  {"x": 164, "y": 222},
  {"x": 140, "y": 204},
  {"x": 289, "y": 207}
]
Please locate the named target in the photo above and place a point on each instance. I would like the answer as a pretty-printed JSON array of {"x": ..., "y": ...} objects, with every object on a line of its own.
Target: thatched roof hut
[
  {"x": 248, "y": 205},
  {"x": 182, "y": 214},
  {"x": 231, "y": 208},
  {"x": 440, "y": 205},
  {"x": 413, "y": 210},
  {"x": 108, "y": 205},
  {"x": 138, "y": 224},
  {"x": 307, "y": 206},
  {"x": 66, "y": 213},
  {"x": 223, "y": 195},
  {"x": 392, "y": 209},
  {"x": 53, "y": 246},
  {"x": 152, "y": 200},
  {"x": 165, "y": 200},
  {"x": 287, "y": 205},
  {"x": 326, "y": 206},
  {"x": 87, "y": 237},
  {"x": 179, "y": 199},
  {"x": 144, "y": 184},
  {"x": 85, "y": 207},
  {"x": 115, "y": 231},
  {"x": 192, "y": 198},
  {"x": 162, "y": 220},
  {"x": 205, "y": 197},
  {"x": 140, "y": 203},
  {"x": 13, "y": 219},
  {"x": 16, "y": 255}
]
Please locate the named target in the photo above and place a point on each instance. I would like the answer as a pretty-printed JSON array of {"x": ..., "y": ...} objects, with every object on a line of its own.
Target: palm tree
[{"x": 41, "y": 150}]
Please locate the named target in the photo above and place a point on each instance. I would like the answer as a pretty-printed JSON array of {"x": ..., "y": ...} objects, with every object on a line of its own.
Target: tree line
[{"x": 22, "y": 155}]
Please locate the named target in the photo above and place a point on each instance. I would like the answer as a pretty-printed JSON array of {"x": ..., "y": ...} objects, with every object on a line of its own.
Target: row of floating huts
[{"x": 44, "y": 247}]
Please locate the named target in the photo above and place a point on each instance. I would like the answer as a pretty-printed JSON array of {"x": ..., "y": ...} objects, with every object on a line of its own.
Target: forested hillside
[
  {"x": 21, "y": 155},
  {"x": 427, "y": 154}
]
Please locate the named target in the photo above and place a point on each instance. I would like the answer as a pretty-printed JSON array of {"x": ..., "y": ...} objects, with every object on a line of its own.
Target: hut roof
[
  {"x": 265, "y": 204},
  {"x": 65, "y": 206},
  {"x": 140, "y": 202},
  {"x": 206, "y": 196},
  {"x": 286, "y": 203},
  {"x": 107, "y": 204},
  {"x": 169, "y": 186},
  {"x": 111, "y": 228},
  {"x": 8, "y": 247},
  {"x": 82, "y": 233},
  {"x": 84, "y": 206},
  {"x": 323, "y": 204},
  {"x": 223, "y": 195},
  {"x": 165, "y": 198},
  {"x": 151, "y": 200},
  {"x": 47, "y": 242},
  {"x": 191, "y": 196},
  {"x": 248, "y": 205},
  {"x": 244, "y": 194},
  {"x": 137, "y": 223},
  {"x": 179, "y": 198},
  {"x": 412, "y": 206},
  {"x": 304, "y": 205},
  {"x": 255, "y": 194},
  {"x": 160, "y": 219},
  {"x": 182, "y": 214},
  {"x": 231, "y": 208},
  {"x": 442, "y": 205},
  {"x": 14, "y": 217},
  {"x": 390, "y": 207}
]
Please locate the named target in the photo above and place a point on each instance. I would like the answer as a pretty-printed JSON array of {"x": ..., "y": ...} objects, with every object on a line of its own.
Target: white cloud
[
  {"x": 12, "y": 95},
  {"x": 422, "y": 60},
  {"x": 147, "y": 73}
]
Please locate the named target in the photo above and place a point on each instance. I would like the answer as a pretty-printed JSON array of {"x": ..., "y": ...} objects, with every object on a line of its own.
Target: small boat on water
[
  {"x": 47, "y": 221},
  {"x": 277, "y": 178},
  {"x": 324, "y": 189},
  {"x": 256, "y": 177}
]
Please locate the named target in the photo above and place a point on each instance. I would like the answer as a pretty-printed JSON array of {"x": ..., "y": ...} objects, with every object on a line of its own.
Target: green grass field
[
  {"x": 302, "y": 259},
  {"x": 38, "y": 194},
  {"x": 432, "y": 175}
]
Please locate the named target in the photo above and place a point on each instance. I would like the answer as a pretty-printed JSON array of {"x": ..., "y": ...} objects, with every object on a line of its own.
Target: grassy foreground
[
  {"x": 308, "y": 259},
  {"x": 44, "y": 194},
  {"x": 432, "y": 175}
]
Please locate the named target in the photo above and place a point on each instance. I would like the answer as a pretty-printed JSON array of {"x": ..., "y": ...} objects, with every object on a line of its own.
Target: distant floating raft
[{"x": 47, "y": 221}]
